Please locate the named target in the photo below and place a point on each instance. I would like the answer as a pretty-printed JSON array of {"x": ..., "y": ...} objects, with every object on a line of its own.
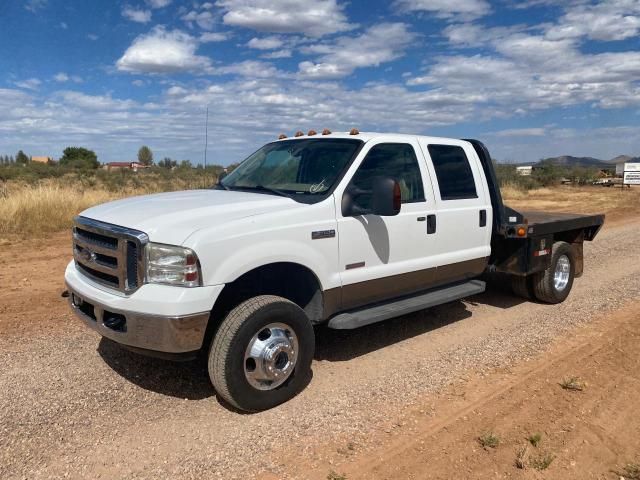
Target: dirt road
[{"x": 407, "y": 397}]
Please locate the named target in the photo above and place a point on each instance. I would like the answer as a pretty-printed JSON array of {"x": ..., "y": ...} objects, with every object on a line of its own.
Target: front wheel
[
  {"x": 261, "y": 355},
  {"x": 553, "y": 284}
]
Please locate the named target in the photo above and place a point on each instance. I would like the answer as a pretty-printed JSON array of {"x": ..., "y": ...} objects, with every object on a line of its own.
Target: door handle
[
  {"x": 483, "y": 218},
  {"x": 431, "y": 224}
]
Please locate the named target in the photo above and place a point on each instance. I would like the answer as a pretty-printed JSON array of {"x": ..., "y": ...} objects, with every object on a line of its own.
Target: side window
[
  {"x": 453, "y": 172},
  {"x": 394, "y": 160}
]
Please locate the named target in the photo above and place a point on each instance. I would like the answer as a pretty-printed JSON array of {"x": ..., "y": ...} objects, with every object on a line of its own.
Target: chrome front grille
[{"x": 109, "y": 254}]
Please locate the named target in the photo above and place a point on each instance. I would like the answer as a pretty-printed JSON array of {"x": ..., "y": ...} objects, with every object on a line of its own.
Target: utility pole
[{"x": 206, "y": 142}]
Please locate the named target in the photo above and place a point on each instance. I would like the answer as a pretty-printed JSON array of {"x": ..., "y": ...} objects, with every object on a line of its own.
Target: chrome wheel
[
  {"x": 562, "y": 273},
  {"x": 271, "y": 356}
]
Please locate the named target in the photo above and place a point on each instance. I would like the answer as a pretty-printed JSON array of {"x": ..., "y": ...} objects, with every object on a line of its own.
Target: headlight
[{"x": 172, "y": 265}]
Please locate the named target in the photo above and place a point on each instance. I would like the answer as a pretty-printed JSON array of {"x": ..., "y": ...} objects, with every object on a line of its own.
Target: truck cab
[{"x": 345, "y": 229}]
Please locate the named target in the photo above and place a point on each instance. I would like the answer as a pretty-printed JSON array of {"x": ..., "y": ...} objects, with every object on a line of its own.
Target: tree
[
  {"x": 21, "y": 157},
  {"x": 145, "y": 155},
  {"x": 166, "y": 162},
  {"x": 79, "y": 157},
  {"x": 186, "y": 164}
]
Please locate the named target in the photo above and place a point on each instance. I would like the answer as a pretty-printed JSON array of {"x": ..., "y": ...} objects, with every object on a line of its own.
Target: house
[
  {"x": 40, "y": 159},
  {"x": 124, "y": 165},
  {"x": 525, "y": 170}
]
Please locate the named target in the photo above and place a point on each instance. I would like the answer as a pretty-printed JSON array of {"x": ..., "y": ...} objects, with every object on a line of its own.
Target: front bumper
[{"x": 166, "y": 325}]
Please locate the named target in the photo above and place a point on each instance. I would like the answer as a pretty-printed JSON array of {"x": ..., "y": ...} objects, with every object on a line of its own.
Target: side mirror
[{"x": 385, "y": 199}]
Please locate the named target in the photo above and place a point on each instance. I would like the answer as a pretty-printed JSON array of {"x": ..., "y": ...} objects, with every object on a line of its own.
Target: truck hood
[{"x": 172, "y": 217}]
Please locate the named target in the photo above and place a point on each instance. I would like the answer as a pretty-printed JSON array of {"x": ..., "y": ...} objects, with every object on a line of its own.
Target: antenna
[{"x": 206, "y": 142}]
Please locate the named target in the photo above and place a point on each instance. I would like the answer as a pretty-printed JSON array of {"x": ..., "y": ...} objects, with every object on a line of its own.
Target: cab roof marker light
[
  {"x": 299, "y": 133},
  {"x": 354, "y": 131},
  {"x": 312, "y": 133},
  {"x": 326, "y": 131},
  {"x": 282, "y": 136}
]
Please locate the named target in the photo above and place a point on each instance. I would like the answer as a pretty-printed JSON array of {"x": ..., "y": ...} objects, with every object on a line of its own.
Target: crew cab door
[
  {"x": 464, "y": 212},
  {"x": 386, "y": 256}
]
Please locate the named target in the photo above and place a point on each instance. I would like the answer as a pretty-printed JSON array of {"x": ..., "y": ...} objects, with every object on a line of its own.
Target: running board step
[{"x": 384, "y": 311}]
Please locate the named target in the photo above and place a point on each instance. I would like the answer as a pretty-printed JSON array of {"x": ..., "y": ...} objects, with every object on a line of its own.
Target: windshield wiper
[{"x": 262, "y": 188}]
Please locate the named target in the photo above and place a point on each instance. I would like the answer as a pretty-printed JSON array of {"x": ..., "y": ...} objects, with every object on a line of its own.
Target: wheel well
[
  {"x": 289, "y": 280},
  {"x": 575, "y": 238}
]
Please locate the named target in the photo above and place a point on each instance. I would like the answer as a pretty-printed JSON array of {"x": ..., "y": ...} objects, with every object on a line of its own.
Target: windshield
[{"x": 309, "y": 166}]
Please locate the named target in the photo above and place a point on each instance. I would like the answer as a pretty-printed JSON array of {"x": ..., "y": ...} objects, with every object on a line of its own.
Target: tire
[
  {"x": 270, "y": 324},
  {"x": 545, "y": 287},
  {"x": 521, "y": 286}
]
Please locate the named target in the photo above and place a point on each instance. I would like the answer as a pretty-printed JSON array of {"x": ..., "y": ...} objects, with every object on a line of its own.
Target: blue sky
[{"x": 531, "y": 78}]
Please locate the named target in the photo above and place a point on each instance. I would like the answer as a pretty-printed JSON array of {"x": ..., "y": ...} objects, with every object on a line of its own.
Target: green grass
[
  {"x": 542, "y": 462},
  {"x": 489, "y": 440},
  {"x": 535, "y": 439}
]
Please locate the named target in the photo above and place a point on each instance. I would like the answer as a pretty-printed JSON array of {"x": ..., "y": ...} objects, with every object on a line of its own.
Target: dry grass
[
  {"x": 45, "y": 208},
  {"x": 617, "y": 203},
  {"x": 50, "y": 205},
  {"x": 573, "y": 383},
  {"x": 543, "y": 461},
  {"x": 489, "y": 440}
]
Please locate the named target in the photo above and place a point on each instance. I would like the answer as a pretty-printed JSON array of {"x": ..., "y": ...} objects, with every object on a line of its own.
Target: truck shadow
[
  {"x": 186, "y": 380},
  {"x": 190, "y": 380},
  {"x": 343, "y": 345}
]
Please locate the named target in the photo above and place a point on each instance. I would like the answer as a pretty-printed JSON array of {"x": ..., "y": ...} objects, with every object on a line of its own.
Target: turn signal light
[
  {"x": 521, "y": 232},
  {"x": 397, "y": 197},
  {"x": 299, "y": 133}
]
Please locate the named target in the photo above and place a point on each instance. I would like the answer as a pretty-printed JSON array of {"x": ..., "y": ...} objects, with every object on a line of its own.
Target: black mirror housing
[{"x": 386, "y": 199}]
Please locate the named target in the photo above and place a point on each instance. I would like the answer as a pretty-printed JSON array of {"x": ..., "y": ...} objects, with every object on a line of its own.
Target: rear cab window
[{"x": 453, "y": 171}]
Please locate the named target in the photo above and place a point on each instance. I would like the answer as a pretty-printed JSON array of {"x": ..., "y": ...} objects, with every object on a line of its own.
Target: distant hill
[
  {"x": 624, "y": 158},
  {"x": 569, "y": 161}
]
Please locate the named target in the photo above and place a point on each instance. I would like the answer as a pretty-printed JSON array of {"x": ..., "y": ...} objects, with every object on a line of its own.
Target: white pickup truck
[{"x": 345, "y": 229}]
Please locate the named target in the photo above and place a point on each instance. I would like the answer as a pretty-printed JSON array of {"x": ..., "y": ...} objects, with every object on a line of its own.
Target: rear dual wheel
[
  {"x": 261, "y": 355},
  {"x": 553, "y": 284}
]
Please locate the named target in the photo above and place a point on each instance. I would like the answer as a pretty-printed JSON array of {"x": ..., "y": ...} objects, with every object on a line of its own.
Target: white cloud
[
  {"x": 521, "y": 132},
  {"x": 265, "y": 43},
  {"x": 313, "y": 18},
  {"x": 209, "y": 37},
  {"x": 607, "y": 20},
  {"x": 158, "y": 3},
  {"x": 378, "y": 44},
  {"x": 135, "y": 15},
  {"x": 29, "y": 84},
  {"x": 162, "y": 51},
  {"x": 93, "y": 37},
  {"x": 61, "y": 77},
  {"x": 468, "y": 9},
  {"x": 284, "y": 53},
  {"x": 94, "y": 102},
  {"x": 204, "y": 19},
  {"x": 63, "y": 25},
  {"x": 252, "y": 69},
  {"x": 35, "y": 5}
]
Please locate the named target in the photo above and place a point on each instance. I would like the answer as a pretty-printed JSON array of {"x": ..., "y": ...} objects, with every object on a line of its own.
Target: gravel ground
[{"x": 72, "y": 405}]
